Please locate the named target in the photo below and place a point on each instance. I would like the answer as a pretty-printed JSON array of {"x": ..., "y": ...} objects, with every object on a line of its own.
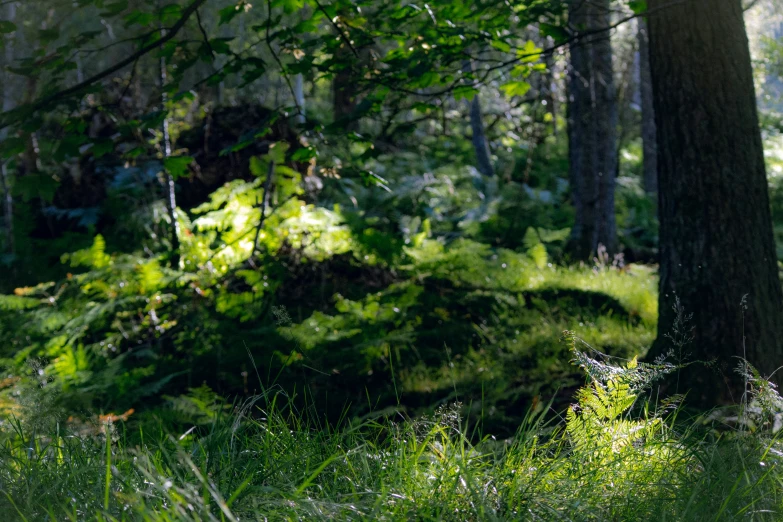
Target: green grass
[{"x": 614, "y": 456}]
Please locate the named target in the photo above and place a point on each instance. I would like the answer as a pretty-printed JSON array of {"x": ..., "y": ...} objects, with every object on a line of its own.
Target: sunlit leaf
[
  {"x": 512, "y": 89},
  {"x": 500, "y": 45}
]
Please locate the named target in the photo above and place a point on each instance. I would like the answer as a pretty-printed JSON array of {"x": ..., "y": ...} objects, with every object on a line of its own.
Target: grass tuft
[{"x": 617, "y": 454}]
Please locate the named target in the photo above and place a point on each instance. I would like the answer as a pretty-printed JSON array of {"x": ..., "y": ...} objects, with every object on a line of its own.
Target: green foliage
[
  {"x": 613, "y": 457},
  {"x": 126, "y": 329}
]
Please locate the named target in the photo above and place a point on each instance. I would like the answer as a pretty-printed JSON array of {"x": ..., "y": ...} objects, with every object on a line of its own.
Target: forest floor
[{"x": 615, "y": 455}]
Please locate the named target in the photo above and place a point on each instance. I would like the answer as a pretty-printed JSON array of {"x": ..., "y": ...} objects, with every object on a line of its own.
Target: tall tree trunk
[
  {"x": 8, "y": 208},
  {"x": 169, "y": 185},
  {"x": 716, "y": 242},
  {"x": 592, "y": 130},
  {"x": 8, "y": 104},
  {"x": 8, "y": 59},
  {"x": 649, "y": 143},
  {"x": 31, "y": 160},
  {"x": 300, "y": 98},
  {"x": 343, "y": 92},
  {"x": 479, "y": 135},
  {"x": 479, "y": 138},
  {"x": 551, "y": 84}
]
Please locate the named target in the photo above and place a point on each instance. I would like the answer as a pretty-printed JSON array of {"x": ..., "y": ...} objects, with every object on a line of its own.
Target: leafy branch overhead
[{"x": 396, "y": 51}]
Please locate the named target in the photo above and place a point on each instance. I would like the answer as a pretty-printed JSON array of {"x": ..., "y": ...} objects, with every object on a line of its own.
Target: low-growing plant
[{"x": 620, "y": 453}]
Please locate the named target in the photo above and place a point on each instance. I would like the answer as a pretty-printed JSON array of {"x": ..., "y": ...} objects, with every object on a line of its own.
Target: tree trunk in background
[
  {"x": 592, "y": 129},
  {"x": 480, "y": 143},
  {"x": 550, "y": 84},
  {"x": 300, "y": 98},
  {"x": 716, "y": 242},
  {"x": 31, "y": 160},
  {"x": 8, "y": 208},
  {"x": 344, "y": 96},
  {"x": 8, "y": 59},
  {"x": 479, "y": 135},
  {"x": 169, "y": 185},
  {"x": 8, "y": 104},
  {"x": 649, "y": 143}
]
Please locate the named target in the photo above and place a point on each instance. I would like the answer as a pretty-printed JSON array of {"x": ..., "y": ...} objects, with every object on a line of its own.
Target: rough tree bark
[
  {"x": 716, "y": 242},
  {"x": 649, "y": 143},
  {"x": 592, "y": 129}
]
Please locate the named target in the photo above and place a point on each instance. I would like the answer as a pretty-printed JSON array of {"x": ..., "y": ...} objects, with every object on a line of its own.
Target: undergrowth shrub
[
  {"x": 397, "y": 305},
  {"x": 620, "y": 453}
]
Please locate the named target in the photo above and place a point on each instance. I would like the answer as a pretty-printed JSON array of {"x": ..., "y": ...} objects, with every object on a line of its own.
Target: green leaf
[
  {"x": 12, "y": 146},
  {"x": 168, "y": 49},
  {"x": 304, "y": 154},
  {"x": 638, "y": 6},
  {"x": 228, "y": 13},
  {"x": 529, "y": 53},
  {"x": 48, "y": 35},
  {"x": 220, "y": 45},
  {"x": 370, "y": 179},
  {"x": 558, "y": 33},
  {"x": 289, "y": 6},
  {"x": 177, "y": 166},
  {"x": 139, "y": 18},
  {"x": 17, "y": 302},
  {"x": 69, "y": 147},
  {"x": 553, "y": 236},
  {"x": 500, "y": 45},
  {"x": 7, "y": 27},
  {"x": 512, "y": 89},
  {"x": 35, "y": 186},
  {"x": 464, "y": 92},
  {"x": 170, "y": 13},
  {"x": 310, "y": 25},
  {"x": 538, "y": 255},
  {"x": 184, "y": 95},
  {"x": 424, "y": 108},
  {"x": 530, "y": 239},
  {"x": 426, "y": 79},
  {"x": 258, "y": 167},
  {"x": 101, "y": 147},
  {"x": 277, "y": 152},
  {"x": 114, "y": 8}
]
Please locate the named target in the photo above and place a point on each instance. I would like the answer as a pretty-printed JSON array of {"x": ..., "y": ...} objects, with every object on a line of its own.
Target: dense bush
[{"x": 397, "y": 298}]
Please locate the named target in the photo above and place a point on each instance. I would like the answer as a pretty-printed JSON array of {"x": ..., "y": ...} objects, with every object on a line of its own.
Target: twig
[
  {"x": 277, "y": 59},
  {"x": 204, "y": 34},
  {"x": 264, "y": 202},
  {"x": 343, "y": 36}
]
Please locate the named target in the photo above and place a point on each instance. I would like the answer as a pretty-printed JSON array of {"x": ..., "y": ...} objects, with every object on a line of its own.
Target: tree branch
[
  {"x": 283, "y": 71},
  {"x": 204, "y": 34},
  {"x": 43, "y": 102},
  {"x": 264, "y": 203},
  {"x": 340, "y": 32}
]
